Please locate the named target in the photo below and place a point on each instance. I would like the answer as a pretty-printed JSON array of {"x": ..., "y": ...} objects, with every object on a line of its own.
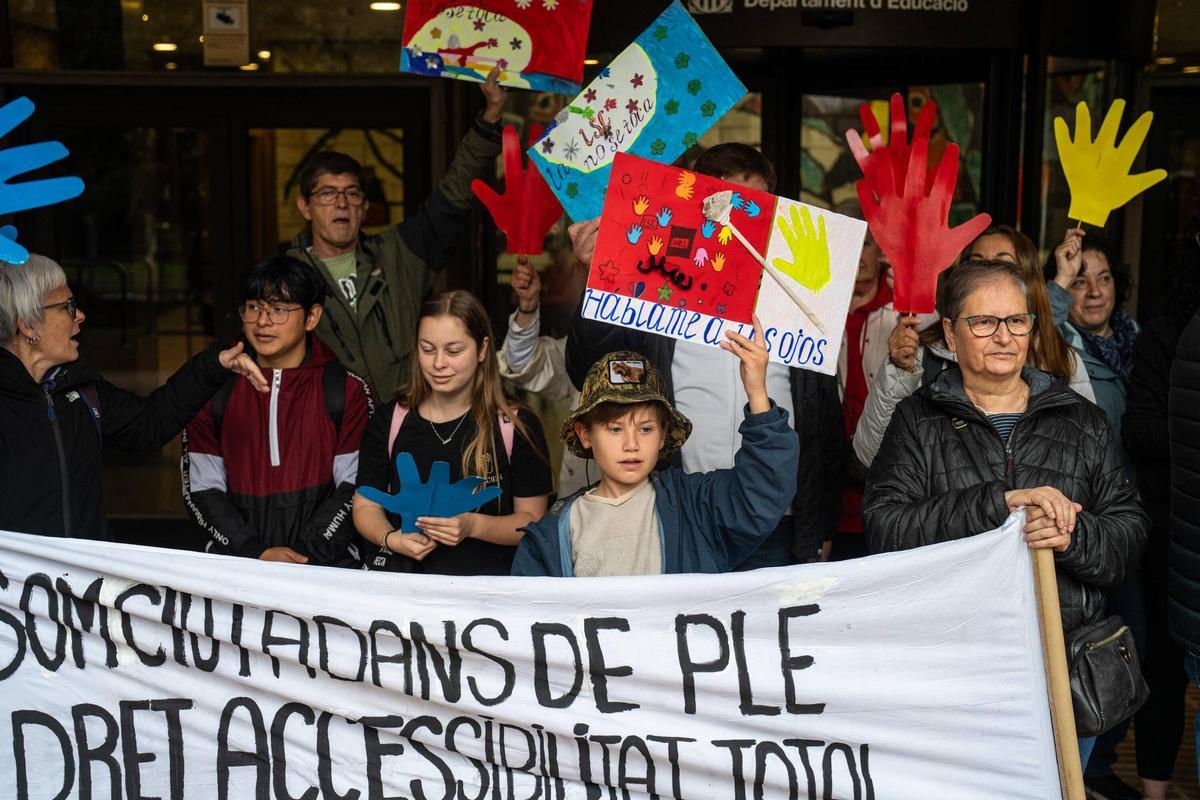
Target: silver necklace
[{"x": 447, "y": 439}]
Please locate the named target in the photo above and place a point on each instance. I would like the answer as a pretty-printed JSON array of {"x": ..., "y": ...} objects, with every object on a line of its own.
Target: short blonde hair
[{"x": 23, "y": 291}]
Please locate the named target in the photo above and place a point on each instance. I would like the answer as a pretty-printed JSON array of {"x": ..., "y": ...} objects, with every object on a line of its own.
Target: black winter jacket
[
  {"x": 50, "y": 442},
  {"x": 1144, "y": 424},
  {"x": 817, "y": 418},
  {"x": 925, "y": 485},
  {"x": 1183, "y": 585}
]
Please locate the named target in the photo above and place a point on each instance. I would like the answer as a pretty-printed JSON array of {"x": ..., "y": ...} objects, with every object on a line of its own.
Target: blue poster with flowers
[{"x": 654, "y": 100}]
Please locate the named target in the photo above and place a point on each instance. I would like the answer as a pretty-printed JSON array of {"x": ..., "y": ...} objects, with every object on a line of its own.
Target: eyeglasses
[
  {"x": 328, "y": 196},
  {"x": 985, "y": 325},
  {"x": 277, "y": 314},
  {"x": 70, "y": 304}
]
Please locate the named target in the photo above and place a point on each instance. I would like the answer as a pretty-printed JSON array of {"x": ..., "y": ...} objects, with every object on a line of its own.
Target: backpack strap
[
  {"x": 219, "y": 401},
  {"x": 399, "y": 412},
  {"x": 507, "y": 429},
  {"x": 507, "y": 432},
  {"x": 335, "y": 393},
  {"x": 91, "y": 398}
]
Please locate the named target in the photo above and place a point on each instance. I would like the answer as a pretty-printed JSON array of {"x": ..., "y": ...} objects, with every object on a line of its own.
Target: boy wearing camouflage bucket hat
[{"x": 640, "y": 522}]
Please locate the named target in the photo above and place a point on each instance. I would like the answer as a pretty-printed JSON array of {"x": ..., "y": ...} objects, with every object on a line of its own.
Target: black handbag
[{"x": 1107, "y": 686}]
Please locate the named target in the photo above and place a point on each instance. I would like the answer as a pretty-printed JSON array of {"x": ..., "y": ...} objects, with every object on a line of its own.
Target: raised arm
[{"x": 439, "y": 223}]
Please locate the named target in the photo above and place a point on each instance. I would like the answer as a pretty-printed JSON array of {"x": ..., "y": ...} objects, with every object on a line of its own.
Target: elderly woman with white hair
[{"x": 56, "y": 411}]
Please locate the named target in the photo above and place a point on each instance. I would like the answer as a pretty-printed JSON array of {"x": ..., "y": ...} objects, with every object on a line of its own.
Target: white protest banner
[{"x": 134, "y": 672}]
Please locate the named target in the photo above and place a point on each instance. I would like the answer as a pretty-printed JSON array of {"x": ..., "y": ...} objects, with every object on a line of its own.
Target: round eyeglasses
[{"x": 251, "y": 312}]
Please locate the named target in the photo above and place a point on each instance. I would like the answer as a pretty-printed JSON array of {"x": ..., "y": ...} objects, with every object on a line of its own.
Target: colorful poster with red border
[
  {"x": 663, "y": 267},
  {"x": 537, "y": 44}
]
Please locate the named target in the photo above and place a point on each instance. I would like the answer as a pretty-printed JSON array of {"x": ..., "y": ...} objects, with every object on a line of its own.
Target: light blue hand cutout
[
  {"x": 634, "y": 233},
  {"x": 752, "y": 209},
  {"x": 664, "y": 217},
  {"x": 736, "y": 201},
  {"x": 437, "y": 497},
  {"x": 29, "y": 194},
  {"x": 708, "y": 229}
]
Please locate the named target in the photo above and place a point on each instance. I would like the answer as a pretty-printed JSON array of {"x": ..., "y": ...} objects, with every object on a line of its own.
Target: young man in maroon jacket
[{"x": 272, "y": 476}]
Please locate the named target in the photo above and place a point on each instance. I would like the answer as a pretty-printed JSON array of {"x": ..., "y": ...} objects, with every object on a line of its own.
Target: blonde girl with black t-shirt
[{"x": 454, "y": 410}]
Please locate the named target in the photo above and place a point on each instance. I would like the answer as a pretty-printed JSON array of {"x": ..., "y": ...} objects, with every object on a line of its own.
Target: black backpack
[{"x": 334, "y": 380}]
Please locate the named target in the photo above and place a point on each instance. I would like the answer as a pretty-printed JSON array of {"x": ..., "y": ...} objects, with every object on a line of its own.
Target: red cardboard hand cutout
[
  {"x": 906, "y": 212},
  {"x": 527, "y": 209},
  {"x": 895, "y": 153}
]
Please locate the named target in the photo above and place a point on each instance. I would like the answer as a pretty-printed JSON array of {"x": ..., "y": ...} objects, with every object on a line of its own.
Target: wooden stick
[
  {"x": 780, "y": 280},
  {"x": 1054, "y": 653}
]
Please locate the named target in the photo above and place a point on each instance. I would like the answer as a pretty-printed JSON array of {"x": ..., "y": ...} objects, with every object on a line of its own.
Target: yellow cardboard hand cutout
[{"x": 1098, "y": 171}]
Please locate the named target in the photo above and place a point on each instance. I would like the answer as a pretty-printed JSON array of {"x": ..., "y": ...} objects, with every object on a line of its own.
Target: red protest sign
[{"x": 655, "y": 243}]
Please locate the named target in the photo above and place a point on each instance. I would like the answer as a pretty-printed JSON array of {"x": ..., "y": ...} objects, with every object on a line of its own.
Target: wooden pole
[{"x": 1054, "y": 653}]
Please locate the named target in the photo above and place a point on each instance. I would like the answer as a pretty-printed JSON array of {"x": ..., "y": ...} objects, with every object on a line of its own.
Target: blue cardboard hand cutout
[
  {"x": 17, "y": 161},
  {"x": 437, "y": 497}
]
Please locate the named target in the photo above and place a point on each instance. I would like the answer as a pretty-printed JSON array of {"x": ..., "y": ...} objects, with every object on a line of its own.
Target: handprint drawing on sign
[
  {"x": 809, "y": 249},
  {"x": 27, "y": 195},
  {"x": 437, "y": 497},
  {"x": 1098, "y": 172}
]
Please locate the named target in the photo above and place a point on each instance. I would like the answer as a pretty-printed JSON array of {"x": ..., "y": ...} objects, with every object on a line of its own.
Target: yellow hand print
[
  {"x": 809, "y": 247},
  {"x": 654, "y": 245},
  {"x": 718, "y": 262},
  {"x": 640, "y": 205},
  {"x": 725, "y": 235},
  {"x": 686, "y": 187},
  {"x": 1098, "y": 171}
]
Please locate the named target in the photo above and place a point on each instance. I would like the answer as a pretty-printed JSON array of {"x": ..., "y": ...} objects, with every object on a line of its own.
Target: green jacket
[{"x": 394, "y": 269}]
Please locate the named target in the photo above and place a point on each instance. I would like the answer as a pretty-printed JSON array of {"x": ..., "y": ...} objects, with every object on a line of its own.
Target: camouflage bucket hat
[{"x": 624, "y": 377}]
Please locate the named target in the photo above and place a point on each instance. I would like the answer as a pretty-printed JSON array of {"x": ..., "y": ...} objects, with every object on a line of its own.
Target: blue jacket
[
  {"x": 708, "y": 521},
  {"x": 1107, "y": 384}
]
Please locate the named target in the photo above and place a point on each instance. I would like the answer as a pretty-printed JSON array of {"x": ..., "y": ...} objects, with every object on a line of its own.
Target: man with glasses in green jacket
[{"x": 377, "y": 281}]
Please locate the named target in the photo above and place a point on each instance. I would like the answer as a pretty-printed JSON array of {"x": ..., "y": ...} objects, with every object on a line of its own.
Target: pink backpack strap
[
  {"x": 507, "y": 431},
  {"x": 399, "y": 412}
]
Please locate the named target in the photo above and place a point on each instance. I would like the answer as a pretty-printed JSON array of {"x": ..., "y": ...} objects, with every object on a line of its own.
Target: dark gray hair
[
  {"x": 962, "y": 280},
  {"x": 23, "y": 291}
]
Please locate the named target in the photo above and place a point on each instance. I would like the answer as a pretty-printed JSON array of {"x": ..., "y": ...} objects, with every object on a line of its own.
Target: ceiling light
[
  {"x": 251, "y": 67},
  {"x": 591, "y": 62},
  {"x": 1191, "y": 70},
  {"x": 1165, "y": 60},
  {"x": 385, "y": 6},
  {"x": 172, "y": 65},
  {"x": 165, "y": 47},
  {"x": 202, "y": 38},
  {"x": 145, "y": 17},
  {"x": 264, "y": 54}
]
